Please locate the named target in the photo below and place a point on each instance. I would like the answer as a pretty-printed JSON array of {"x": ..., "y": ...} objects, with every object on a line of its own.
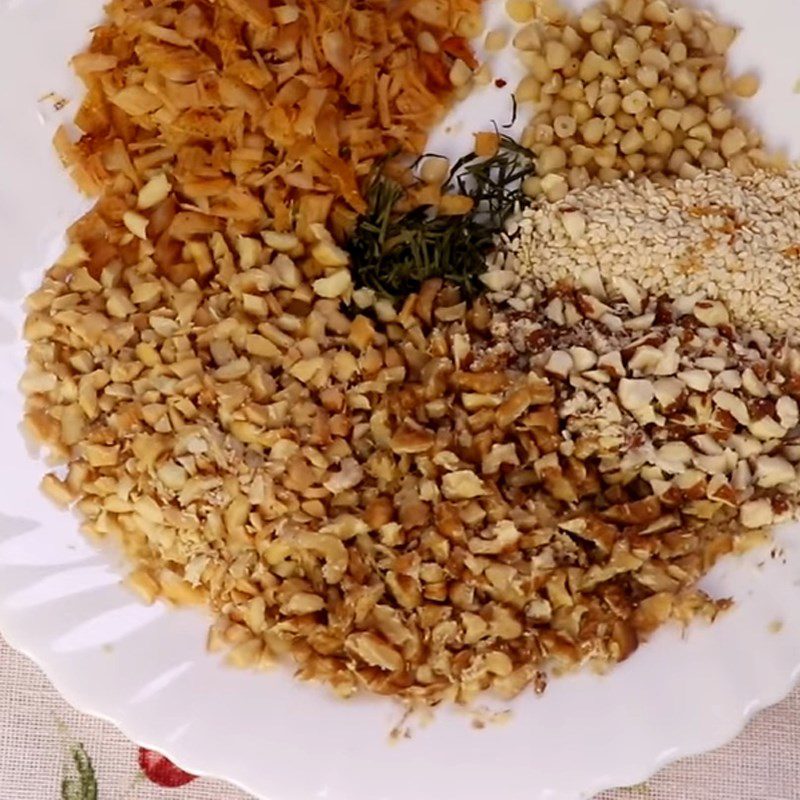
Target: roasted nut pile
[
  {"x": 731, "y": 237},
  {"x": 715, "y": 410},
  {"x": 630, "y": 86},
  {"x": 427, "y": 500},
  {"x": 427, "y": 507}
]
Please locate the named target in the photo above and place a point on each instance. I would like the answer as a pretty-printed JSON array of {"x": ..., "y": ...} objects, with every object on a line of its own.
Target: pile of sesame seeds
[{"x": 727, "y": 237}]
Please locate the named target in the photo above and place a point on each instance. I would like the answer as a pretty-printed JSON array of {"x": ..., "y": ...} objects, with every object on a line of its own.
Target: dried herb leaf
[{"x": 395, "y": 252}]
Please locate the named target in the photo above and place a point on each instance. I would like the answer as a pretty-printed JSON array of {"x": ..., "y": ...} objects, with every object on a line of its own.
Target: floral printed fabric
[
  {"x": 51, "y": 752},
  {"x": 79, "y": 778}
]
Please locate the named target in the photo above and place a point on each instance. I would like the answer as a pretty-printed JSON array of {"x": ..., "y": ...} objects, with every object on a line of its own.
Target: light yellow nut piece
[
  {"x": 592, "y": 131},
  {"x": 73, "y": 255},
  {"x": 788, "y": 411},
  {"x": 721, "y": 38},
  {"x": 426, "y": 42},
  {"x": 627, "y": 50},
  {"x": 635, "y": 394},
  {"x": 552, "y": 158},
  {"x": 496, "y": 40},
  {"x": 303, "y": 603},
  {"x": 258, "y": 345},
  {"x": 281, "y": 241},
  {"x": 591, "y": 20},
  {"x": 155, "y": 191},
  {"x": 772, "y": 471},
  {"x": 756, "y": 513},
  {"x": 330, "y": 548},
  {"x": 375, "y": 651},
  {"x": 337, "y": 284},
  {"x": 745, "y": 85},
  {"x": 555, "y": 187},
  {"x": 564, "y": 126},
  {"x": 635, "y": 102},
  {"x": 330, "y": 255},
  {"x": 527, "y": 38},
  {"x": 609, "y": 104},
  {"x": 470, "y": 25},
  {"x": 462, "y": 485},
  {"x": 711, "y": 82},
  {"x": 520, "y": 10},
  {"x": 57, "y": 490},
  {"x": 657, "y": 11},
  {"x": 305, "y": 369},
  {"x": 529, "y": 89},
  {"x": 144, "y": 585},
  {"x": 631, "y": 142},
  {"x": 286, "y": 15},
  {"x": 712, "y": 313},
  {"x": 683, "y": 18},
  {"x": 245, "y": 654},
  {"x": 734, "y": 405},
  {"x": 135, "y": 223},
  {"x": 556, "y": 54},
  {"x": 532, "y": 186},
  {"x": 733, "y": 141},
  {"x": 766, "y": 428},
  {"x": 460, "y": 73}
]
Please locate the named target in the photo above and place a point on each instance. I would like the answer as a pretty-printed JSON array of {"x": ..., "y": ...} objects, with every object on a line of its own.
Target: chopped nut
[
  {"x": 335, "y": 285},
  {"x": 766, "y": 428},
  {"x": 410, "y": 440},
  {"x": 155, "y": 191},
  {"x": 734, "y": 405},
  {"x": 756, "y": 513},
  {"x": 635, "y": 394},
  {"x": 57, "y": 490},
  {"x": 699, "y": 380},
  {"x": 668, "y": 391},
  {"x": 135, "y": 223},
  {"x": 773, "y": 471},
  {"x": 374, "y": 651},
  {"x": 612, "y": 363},
  {"x": 462, "y": 485},
  {"x": 499, "y": 280},
  {"x": 712, "y": 313},
  {"x": 559, "y": 364},
  {"x": 788, "y": 413}
]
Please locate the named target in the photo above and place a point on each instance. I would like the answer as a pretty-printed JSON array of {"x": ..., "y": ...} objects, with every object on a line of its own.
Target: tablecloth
[{"x": 49, "y": 751}]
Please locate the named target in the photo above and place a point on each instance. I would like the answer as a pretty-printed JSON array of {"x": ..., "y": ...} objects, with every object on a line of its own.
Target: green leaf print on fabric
[{"x": 79, "y": 781}]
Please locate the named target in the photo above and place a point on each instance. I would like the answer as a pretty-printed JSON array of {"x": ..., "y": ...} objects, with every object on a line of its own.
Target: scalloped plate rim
[{"x": 148, "y": 729}]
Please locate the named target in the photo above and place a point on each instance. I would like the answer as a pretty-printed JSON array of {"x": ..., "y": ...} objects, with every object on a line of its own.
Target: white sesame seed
[{"x": 732, "y": 238}]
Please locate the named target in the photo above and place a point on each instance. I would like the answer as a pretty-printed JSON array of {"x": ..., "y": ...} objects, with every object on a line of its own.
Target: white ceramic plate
[{"x": 145, "y": 668}]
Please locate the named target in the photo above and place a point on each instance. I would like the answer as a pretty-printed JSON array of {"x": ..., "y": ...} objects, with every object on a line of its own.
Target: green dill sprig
[{"x": 395, "y": 252}]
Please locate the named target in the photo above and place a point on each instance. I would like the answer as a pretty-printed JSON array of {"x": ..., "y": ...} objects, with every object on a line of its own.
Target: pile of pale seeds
[{"x": 629, "y": 86}]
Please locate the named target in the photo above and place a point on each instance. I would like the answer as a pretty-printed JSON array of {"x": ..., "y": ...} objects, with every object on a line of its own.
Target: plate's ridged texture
[{"x": 145, "y": 668}]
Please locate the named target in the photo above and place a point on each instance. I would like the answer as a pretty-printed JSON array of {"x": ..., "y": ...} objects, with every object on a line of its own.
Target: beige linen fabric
[{"x": 37, "y": 727}]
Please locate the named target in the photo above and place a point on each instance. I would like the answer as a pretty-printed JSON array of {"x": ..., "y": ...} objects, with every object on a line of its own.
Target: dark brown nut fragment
[
  {"x": 638, "y": 512},
  {"x": 481, "y": 382}
]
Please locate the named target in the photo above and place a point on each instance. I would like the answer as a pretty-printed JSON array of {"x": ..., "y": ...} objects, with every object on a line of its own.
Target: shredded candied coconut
[
  {"x": 728, "y": 237},
  {"x": 266, "y": 115}
]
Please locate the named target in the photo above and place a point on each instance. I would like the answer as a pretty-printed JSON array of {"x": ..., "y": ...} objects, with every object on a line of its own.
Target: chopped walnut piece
[{"x": 412, "y": 507}]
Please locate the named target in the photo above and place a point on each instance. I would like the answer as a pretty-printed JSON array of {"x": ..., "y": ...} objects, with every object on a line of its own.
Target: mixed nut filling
[{"x": 420, "y": 429}]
